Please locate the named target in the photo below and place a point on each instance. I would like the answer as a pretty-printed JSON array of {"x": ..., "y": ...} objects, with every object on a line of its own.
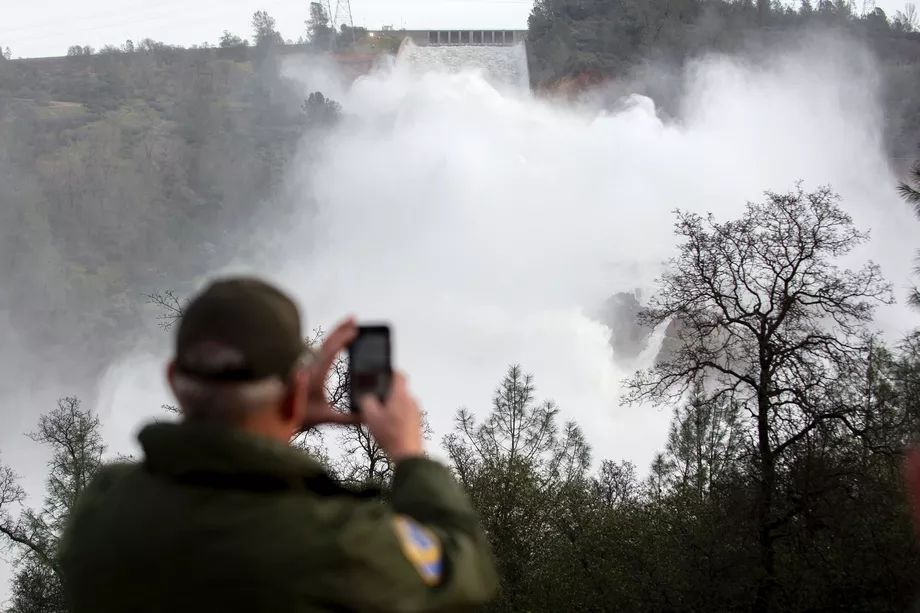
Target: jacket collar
[{"x": 182, "y": 450}]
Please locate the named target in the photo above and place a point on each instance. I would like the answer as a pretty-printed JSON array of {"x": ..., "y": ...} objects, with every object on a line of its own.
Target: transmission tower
[{"x": 343, "y": 16}]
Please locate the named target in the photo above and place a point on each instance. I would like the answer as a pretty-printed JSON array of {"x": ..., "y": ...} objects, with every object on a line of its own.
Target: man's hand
[
  {"x": 396, "y": 425},
  {"x": 318, "y": 411}
]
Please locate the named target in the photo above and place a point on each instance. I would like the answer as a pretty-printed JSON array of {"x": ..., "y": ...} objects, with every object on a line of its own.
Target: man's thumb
[{"x": 369, "y": 406}]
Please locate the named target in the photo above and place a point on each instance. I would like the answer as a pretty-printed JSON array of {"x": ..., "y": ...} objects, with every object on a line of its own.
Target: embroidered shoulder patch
[{"x": 421, "y": 547}]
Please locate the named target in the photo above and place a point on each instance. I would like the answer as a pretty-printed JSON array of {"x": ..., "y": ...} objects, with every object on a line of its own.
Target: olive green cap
[{"x": 240, "y": 329}]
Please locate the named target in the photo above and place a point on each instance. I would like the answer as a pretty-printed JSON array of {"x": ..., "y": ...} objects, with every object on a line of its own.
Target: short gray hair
[{"x": 225, "y": 402}]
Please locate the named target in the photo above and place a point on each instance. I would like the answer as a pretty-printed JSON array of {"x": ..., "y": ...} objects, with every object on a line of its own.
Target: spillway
[{"x": 505, "y": 67}]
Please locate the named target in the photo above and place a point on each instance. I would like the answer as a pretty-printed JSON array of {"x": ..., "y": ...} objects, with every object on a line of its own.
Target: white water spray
[
  {"x": 485, "y": 224},
  {"x": 504, "y": 67}
]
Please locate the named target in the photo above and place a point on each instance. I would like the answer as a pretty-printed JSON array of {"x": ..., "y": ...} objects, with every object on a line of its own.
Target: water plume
[{"x": 488, "y": 226}]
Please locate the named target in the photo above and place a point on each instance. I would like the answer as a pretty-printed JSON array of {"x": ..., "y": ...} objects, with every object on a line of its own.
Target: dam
[{"x": 424, "y": 38}]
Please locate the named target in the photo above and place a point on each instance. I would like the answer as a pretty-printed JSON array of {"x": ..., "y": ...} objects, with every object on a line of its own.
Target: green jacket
[{"x": 219, "y": 520}]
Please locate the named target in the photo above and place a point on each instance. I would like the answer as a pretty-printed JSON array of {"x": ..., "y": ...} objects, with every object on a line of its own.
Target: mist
[{"x": 487, "y": 226}]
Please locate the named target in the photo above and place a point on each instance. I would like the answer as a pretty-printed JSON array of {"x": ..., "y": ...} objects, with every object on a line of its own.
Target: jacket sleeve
[
  {"x": 422, "y": 551},
  {"x": 80, "y": 537}
]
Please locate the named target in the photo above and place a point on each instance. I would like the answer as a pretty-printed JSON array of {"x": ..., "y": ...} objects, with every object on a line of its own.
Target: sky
[
  {"x": 50, "y": 27},
  {"x": 44, "y": 29}
]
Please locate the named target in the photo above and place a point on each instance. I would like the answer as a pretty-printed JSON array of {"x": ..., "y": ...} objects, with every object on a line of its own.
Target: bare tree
[
  {"x": 170, "y": 306},
  {"x": 312, "y": 441},
  {"x": 771, "y": 325},
  {"x": 171, "y": 309},
  {"x": 362, "y": 459}
]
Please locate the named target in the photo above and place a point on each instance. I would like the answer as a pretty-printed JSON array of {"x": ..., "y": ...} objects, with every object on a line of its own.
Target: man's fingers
[
  {"x": 336, "y": 341},
  {"x": 398, "y": 385}
]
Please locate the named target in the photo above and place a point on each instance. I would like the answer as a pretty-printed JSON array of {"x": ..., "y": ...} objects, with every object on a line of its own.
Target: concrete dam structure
[{"x": 425, "y": 38}]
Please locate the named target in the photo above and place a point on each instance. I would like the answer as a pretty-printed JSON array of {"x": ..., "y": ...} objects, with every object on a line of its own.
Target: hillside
[{"x": 117, "y": 169}]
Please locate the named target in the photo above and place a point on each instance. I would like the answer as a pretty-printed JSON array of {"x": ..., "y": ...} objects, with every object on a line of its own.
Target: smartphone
[{"x": 370, "y": 367}]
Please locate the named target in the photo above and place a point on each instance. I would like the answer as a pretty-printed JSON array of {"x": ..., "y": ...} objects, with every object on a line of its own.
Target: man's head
[{"x": 240, "y": 358}]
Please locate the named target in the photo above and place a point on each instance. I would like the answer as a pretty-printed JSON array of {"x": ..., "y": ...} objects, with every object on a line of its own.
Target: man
[{"x": 223, "y": 515}]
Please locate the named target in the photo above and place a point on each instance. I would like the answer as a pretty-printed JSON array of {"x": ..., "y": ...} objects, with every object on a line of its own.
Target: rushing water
[
  {"x": 502, "y": 66},
  {"x": 488, "y": 226}
]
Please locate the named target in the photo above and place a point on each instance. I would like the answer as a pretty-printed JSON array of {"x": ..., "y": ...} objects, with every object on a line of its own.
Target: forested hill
[
  {"x": 125, "y": 172},
  {"x": 599, "y": 40}
]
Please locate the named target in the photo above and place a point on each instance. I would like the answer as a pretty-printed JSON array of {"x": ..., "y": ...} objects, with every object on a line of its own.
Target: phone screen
[{"x": 370, "y": 367}]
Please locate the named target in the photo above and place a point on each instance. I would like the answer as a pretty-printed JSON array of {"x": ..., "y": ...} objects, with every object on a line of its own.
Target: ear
[
  {"x": 294, "y": 407},
  {"x": 170, "y": 375}
]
